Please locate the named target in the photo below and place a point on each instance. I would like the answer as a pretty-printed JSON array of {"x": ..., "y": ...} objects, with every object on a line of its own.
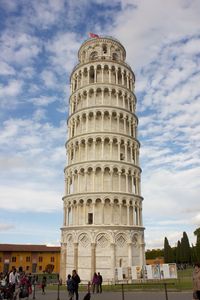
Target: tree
[
  {"x": 197, "y": 233},
  {"x": 178, "y": 252},
  {"x": 154, "y": 253},
  {"x": 185, "y": 250},
  {"x": 193, "y": 254},
  {"x": 168, "y": 252}
]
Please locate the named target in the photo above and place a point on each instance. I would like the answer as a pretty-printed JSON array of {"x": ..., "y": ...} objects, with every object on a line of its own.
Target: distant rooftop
[{"x": 30, "y": 248}]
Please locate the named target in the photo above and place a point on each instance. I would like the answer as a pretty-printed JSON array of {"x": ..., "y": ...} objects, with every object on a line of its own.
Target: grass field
[{"x": 184, "y": 282}]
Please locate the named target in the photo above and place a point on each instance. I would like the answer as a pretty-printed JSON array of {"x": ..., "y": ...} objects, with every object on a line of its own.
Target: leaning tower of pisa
[{"x": 102, "y": 205}]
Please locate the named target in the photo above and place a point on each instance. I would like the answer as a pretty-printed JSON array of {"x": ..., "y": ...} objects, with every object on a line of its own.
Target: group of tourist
[
  {"x": 97, "y": 283},
  {"x": 15, "y": 284},
  {"x": 73, "y": 284}
]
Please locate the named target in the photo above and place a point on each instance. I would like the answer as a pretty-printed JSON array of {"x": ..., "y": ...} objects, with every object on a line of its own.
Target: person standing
[
  {"x": 70, "y": 287},
  {"x": 44, "y": 283},
  {"x": 13, "y": 279},
  {"x": 76, "y": 280},
  {"x": 196, "y": 280},
  {"x": 95, "y": 283},
  {"x": 100, "y": 280}
]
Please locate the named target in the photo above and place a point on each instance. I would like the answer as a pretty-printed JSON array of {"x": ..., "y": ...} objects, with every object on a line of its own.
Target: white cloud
[
  {"x": 49, "y": 78},
  {"x": 23, "y": 198},
  {"x": 12, "y": 88},
  {"x": 19, "y": 48},
  {"x": 6, "y": 69},
  {"x": 63, "y": 51},
  {"x": 153, "y": 28},
  {"x": 6, "y": 227},
  {"x": 43, "y": 100}
]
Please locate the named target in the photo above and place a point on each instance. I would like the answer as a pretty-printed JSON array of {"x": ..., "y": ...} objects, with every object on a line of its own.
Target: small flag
[{"x": 93, "y": 35}]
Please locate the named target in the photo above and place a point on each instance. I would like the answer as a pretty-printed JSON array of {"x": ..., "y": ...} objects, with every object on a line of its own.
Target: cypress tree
[
  {"x": 197, "y": 233},
  {"x": 193, "y": 254},
  {"x": 168, "y": 252},
  {"x": 185, "y": 249},
  {"x": 178, "y": 253}
]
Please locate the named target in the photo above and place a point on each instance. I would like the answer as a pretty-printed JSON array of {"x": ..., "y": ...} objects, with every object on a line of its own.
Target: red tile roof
[{"x": 29, "y": 248}]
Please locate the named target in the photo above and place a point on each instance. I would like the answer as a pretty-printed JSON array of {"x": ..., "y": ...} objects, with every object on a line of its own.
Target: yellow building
[{"x": 32, "y": 258}]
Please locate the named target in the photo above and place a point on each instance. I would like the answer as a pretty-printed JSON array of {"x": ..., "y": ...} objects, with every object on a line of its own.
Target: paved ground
[{"x": 53, "y": 295}]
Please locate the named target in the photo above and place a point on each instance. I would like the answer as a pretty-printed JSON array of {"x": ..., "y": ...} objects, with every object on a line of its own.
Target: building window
[
  {"x": 104, "y": 49},
  {"x": 90, "y": 218},
  {"x": 115, "y": 56},
  {"x": 40, "y": 268},
  {"x": 14, "y": 259},
  {"x": 40, "y": 258},
  {"x": 0, "y": 259},
  {"x": 122, "y": 156},
  {"x": 28, "y": 259},
  {"x": 93, "y": 55},
  {"x": 52, "y": 259},
  {"x": 27, "y": 268}
]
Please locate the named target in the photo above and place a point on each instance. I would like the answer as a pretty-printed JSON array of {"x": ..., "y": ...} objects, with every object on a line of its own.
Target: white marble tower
[{"x": 102, "y": 205}]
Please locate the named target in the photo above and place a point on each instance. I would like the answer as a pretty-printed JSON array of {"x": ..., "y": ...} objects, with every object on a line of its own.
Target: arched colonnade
[
  {"x": 102, "y": 120},
  {"x": 101, "y": 95},
  {"x": 98, "y": 210},
  {"x": 102, "y": 73},
  {"x": 102, "y": 178},
  {"x": 103, "y": 147}
]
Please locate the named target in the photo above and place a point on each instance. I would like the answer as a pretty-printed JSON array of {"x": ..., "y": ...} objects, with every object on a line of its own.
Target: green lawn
[{"x": 184, "y": 282}]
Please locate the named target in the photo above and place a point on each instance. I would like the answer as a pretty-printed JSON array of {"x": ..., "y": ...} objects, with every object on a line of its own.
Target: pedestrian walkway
[{"x": 53, "y": 295}]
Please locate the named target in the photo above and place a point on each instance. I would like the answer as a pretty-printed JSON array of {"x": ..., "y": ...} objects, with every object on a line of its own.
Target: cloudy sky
[{"x": 38, "y": 49}]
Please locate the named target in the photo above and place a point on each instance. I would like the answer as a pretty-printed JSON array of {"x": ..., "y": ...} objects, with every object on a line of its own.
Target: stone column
[
  {"x": 95, "y": 74},
  {"x": 122, "y": 77},
  {"x": 93, "y": 180},
  {"x": 120, "y": 212},
  {"x": 94, "y": 149},
  {"x": 65, "y": 215},
  {"x": 128, "y": 214},
  {"x": 113, "y": 261},
  {"x": 84, "y": 213},
  {"x": 86, "y": 150},
  {"x": 102, "y": 116},
  {"x": 78, "y": 190},
  {"x": 134, "y": 219},
  {"x": 87, "y": 98},
  {"x": 88, "y": 72},
  {"x": 102, "y": 69},
  {"x": 102, "y": 213},
  {"x": 116, "y": 76},
  {"x": 109, "y": 75},
  {"x": 126, "y": 151},
  {"x": 120, "y": 181},
  {"x": 126, "y": 174},
  {"x": 111, "y": 146},
  {"x": 102, "y": 148},
  {"x": 124, "y": 125},
  {"x": 111, "y": 180},
  {"x": 110, "y": 117},
  {"x": 118, "y": 143},
  {"x": 102, "y": 179},
  {"x": 93, "y": 259},
  {"x": 118, "y": 120},
  {"x": 63, "y": 262},
  {"x": 123, "y": 100},
  {"x": 102, "y": 96},
  {"x": 93, "y": 211},
  {"x": 112, "y": 210},
  {"x": 117, "y": 98},
  {"x": 76, "y": 256},
  {"x": 130, "y": 263}
]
